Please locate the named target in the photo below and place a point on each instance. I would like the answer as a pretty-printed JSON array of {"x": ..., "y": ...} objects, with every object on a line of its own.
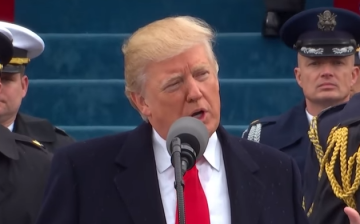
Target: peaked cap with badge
[
  {"x": 322, "y": 32},
  {"x": 27, "y": 45}
]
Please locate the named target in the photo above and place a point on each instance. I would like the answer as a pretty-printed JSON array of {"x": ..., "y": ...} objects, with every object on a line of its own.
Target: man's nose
[
  {"x": 327, "y": 70},
  {"x": 194, "y": 93}
]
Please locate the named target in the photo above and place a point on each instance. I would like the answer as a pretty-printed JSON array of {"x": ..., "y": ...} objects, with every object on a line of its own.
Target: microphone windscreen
[{"x": 191, "y": 131}]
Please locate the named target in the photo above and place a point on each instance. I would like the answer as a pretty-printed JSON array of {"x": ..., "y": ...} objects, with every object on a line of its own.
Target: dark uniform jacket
[
  {"x": 41, "y": 130},
  {"x": 24, "y": 167},
  {"x": 113, "y": 179},
  {"x": 287, "y": 132},
  {"x": 319, "y": 193}
]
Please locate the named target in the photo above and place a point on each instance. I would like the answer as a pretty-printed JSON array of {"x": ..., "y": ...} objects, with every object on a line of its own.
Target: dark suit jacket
[
  {"x": 24, "y": 168},
  {"x": 113, "y": 180},
  {"x": 42, "y": 130},
  {"x": 287, "y": 132}
]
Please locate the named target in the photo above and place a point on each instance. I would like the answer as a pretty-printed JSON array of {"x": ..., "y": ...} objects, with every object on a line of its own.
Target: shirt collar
[
  {"x": 11, "y": 127},
  {"x": 309, "y": 116}
]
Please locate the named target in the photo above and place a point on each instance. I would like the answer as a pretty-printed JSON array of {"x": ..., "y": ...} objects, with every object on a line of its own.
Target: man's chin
[{"x": 331, "y": 97}]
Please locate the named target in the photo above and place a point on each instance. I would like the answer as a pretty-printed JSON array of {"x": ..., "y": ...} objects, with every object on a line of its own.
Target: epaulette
[
  {"x": 256, "y": 126},
  {"x": 350, "y": 122},
  {"x": 60, "y": 131},
  {"x": 255, "y": 122},
  {"x": 331, "y": 110}
]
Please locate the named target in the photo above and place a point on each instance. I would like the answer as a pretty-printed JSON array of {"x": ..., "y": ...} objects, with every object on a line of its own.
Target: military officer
[
  {"x": 325, "y": 38},
  {"x": 330, "y": 129},
  {"x": 325, "y": 73},
  {"x": 27, "y": 45},
  {"x": 24, "y": 163}
]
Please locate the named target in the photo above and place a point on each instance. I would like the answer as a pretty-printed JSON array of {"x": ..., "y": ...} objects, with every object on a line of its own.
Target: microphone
[
  {"x": 186, "y": 141},
  {"x": 189, "y": 136}
]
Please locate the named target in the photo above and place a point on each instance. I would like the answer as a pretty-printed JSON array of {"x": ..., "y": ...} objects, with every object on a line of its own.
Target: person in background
[
  {"x": 27, "y": 46},
  {"x": 171, "y": 72},
  {"x": 333, "y": 155},
  {"x": 325, "y": 73},
  {"x": 356, "y": 87},
  {"x": 24, "y": 163},
  {"x": 277, "y": 13}
]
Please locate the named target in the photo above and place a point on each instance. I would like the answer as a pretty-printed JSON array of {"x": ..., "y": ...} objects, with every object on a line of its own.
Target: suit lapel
[
  {"x": 137, "y": 180},
  {"x": 245, "y": 189}
]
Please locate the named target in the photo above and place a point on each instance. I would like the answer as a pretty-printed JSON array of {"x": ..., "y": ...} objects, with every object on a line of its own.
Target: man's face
[
  {"x": 326, "y": 80},
  {"x": 13, "y": 90},
  {"x": 185, "y": 85}
]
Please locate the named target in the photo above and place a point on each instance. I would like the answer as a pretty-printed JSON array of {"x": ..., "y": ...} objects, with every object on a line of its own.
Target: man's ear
[
  {"x": 140, "y": 103},
  {"x": 297, "y": 73}
]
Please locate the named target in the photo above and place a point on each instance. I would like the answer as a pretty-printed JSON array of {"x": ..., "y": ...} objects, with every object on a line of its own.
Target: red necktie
[{"x": 196, "y": 206}]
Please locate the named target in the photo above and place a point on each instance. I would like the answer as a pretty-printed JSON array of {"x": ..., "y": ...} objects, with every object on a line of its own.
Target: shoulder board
[
  {"x": 254, "y": 130},
  {"x": 350, "y": 122},
  {"x": 60, "y": 131},
  {"x": 265, "y": 120},
  {"x": 331, "y": 110}
]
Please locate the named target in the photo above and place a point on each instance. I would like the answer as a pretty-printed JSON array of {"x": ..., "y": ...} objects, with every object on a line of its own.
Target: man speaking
[{"x": 171, "y": 73}]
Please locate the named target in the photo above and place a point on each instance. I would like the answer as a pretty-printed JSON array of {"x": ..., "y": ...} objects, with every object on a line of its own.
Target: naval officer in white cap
[
  {"x": 27, "y": 45},
  {"x": 24, "y": 162}
]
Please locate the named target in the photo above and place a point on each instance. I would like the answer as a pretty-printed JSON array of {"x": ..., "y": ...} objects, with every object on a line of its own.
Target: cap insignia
[
  {"x": 310, "y": 50},
  {"x": 343, "y": 50},
  {"x": 327, "y": 21}
]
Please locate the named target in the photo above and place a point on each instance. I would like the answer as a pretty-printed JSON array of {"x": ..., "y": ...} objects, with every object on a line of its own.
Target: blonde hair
[{"x": 161, "y": 40}]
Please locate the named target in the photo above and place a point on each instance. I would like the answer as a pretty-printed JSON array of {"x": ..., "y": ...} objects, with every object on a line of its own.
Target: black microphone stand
[{"x": 179, "y": 183}]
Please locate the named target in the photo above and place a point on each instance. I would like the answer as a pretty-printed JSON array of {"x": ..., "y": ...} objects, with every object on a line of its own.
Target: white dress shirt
[
  {"x": 211, "y": 174},
  {"x": 309, "y": 116},
  {"x": 11, "y": 127}
]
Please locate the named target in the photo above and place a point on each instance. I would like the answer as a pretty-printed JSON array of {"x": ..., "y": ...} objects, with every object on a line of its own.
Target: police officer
[
  {"x": 24, "y": 164},
  {"x": 325, "y": 72},
  {"x": 27, "y": 46}
]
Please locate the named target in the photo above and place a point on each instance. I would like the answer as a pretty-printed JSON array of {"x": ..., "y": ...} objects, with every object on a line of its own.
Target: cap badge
[
  {"x": 343, "y": 50},
  {"x": 310, "y": 50},
  {"x": 327, "y": 21}
]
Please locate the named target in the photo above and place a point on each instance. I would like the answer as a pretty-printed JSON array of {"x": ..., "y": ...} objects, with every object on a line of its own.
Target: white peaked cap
[
  {"x": 25, "y": 39},
  {"x": 6, "y": 32}
]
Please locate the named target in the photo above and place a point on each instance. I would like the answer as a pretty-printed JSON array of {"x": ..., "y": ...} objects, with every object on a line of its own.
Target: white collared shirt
[
  {"x": 211, "y": 174},
  {"x": 309, "y": 116},
  {"x": 11, "y": 127}
]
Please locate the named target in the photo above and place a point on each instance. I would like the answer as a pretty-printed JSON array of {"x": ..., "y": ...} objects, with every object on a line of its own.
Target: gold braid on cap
[
  {"x": 1, "y": 67},
  {"x": 337, "y": 145},
  {"x": 19, "y": 61}
]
